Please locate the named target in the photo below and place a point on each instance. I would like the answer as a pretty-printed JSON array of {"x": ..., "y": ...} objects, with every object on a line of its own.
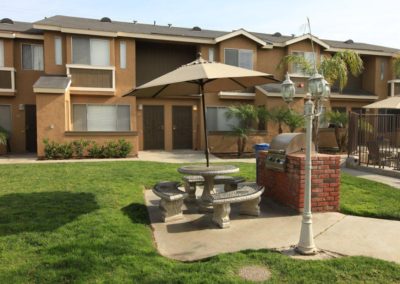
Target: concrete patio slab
[
  {"x": 363, "y": 236},
  {"x": 196, "y": 237}
]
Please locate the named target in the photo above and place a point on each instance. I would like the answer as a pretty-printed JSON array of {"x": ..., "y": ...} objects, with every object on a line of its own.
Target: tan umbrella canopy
[
  {"x": 389, "y": 103},
  {"x": 200, "y": 77}
]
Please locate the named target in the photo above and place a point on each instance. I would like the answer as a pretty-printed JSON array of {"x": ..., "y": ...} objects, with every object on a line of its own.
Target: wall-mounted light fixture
[
  {"x": 140, "y": 107},
  {"x": 21, "y": 107},
  {"x": 195, "y": 107},
  {"x": 51, "y": 126}
]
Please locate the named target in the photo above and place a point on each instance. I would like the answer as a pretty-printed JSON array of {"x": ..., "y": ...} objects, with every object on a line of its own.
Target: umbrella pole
[{"x": 207, "y": 150}]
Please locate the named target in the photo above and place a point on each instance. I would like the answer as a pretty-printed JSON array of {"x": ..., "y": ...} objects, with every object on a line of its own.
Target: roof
[
  {"x": 52, "y": 84},
  {"x": 22, "y": 27},
  {"x": 92, "y": 25},
  {"x": 389, "y": 103}
]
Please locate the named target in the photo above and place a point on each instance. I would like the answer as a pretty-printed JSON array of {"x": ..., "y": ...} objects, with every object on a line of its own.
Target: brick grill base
[{"x": 287, "y": 187}]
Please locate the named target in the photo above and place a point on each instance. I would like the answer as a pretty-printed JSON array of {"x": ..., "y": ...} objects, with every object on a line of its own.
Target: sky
[{"x": 374, "y": 22}]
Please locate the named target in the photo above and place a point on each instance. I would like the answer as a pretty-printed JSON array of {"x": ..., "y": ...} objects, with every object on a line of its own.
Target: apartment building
[{"x": 65, "y": 78}]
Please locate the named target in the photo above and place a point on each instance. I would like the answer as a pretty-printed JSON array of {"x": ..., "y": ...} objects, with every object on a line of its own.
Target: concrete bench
[
  {"x": 171, "y": 200},
  {"x": 248, "y": 194},
  {"x": 191, "y": 182}
]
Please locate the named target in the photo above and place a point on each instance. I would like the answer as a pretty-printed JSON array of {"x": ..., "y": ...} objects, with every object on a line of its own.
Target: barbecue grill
[{"x": 281, "y": 146}]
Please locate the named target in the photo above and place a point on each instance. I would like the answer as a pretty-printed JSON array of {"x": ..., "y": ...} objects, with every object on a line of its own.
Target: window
[
  {"x": 32, "y": 56},
  {"x": 382, "y": 69},
  {"x": 90, "y": 51},
  {"x": 211, "y": 54},
  {"x": 101, "y": 117},
  {"x": 217, "y": 121},
  {"x": 1, "y": 53},
  {"x": 239, "y": 57},
  {"x": 58, "y": 50},
  {"x": 5, "y": 117},
  {"x": 308, "y": 56},
  {"x": 122, "y": 54}
]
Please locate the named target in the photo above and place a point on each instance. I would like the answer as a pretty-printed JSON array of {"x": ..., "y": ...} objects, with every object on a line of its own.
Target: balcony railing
[
  {"x": 91, "y": 78},
  {"x": 7, "y": 79}
]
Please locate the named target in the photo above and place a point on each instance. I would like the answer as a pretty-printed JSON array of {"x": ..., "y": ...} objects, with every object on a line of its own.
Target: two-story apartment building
[{"x": 64, "y": 78}]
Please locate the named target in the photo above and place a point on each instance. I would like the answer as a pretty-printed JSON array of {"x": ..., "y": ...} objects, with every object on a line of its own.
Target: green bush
[{"x": 78, "y": 148}]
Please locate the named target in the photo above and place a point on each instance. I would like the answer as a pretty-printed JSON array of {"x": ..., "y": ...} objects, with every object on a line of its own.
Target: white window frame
[
  {"x": 211, "y": 54},
  {"x": 382, "y": 69},
  {"x": 58, "y": 50},
  {"x": 114, "y": 105},
  {"x": 226, "y": 120},
  {"x": 91, "y": 38},
  {"x": 22, "y": 57},
  {"x": 2, "y": 53},
  {"x": 122, "y": 54},
  {"x": 79, "y": 66},
  {"x": 12, "y": 70},
  {"x": 300, "y": 74},
  {"x": 241, "y": 50}
]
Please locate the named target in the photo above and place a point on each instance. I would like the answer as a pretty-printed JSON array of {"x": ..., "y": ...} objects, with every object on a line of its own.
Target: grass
[
  {"x": 368, "y": 198},
  {"x": 87, "y": 223}
]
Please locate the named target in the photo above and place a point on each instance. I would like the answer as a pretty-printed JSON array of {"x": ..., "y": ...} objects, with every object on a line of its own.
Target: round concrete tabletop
[{"x": 212, "y": 170}]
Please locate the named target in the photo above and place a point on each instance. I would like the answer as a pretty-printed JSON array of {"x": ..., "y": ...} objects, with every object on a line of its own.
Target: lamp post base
[
  {"x": 306, "y": 250},
  {"x": 306, "y": 244}
]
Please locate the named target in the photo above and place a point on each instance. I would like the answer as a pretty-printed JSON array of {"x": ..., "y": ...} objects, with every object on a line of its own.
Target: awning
[
  {"x": 52, "y": 84},
  {"x": 389, "y": 103}
]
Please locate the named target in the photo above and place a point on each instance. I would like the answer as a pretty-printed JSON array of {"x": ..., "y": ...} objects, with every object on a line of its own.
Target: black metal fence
[{"x": 375, "y": 139}]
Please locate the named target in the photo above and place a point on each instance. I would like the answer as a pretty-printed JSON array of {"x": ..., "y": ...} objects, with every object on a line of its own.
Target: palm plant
[
  {"x": 334, "y": 69},
  {"x": 246, "y": 115},
  {"x": 279, "y": 116},
  {"x": 294, "y": 120},
  {"x": 3, "y": 136},
  {"x": 263, "y": 116},
  {"x": 339, "y": 120}
]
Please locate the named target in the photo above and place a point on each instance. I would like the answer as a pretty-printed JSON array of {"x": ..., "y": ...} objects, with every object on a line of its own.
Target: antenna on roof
[
  {"x": 169, "y": 25},
  {"x": 154, "y": 23},
  {"x": 134, "y": 21}
]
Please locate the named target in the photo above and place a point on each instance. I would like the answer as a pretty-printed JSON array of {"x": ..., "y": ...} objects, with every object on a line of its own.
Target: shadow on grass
[
  {"x": 137, "y": 213},
  {"x": 42, "y": 211}
]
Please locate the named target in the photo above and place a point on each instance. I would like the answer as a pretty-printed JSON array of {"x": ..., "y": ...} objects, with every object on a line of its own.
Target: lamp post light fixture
[{"x": 319, "y": 91}]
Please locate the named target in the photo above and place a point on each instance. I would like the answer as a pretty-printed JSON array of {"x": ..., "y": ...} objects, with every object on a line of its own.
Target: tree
[
  {"x": 294, "y": 120},
  {"x": 245, "y": 115},
  {"x": 339, "y": 120},
  {"x": 263, "y": 116},
  {"x": 279, "y": 116},
  {"x": 396, "y": 66},
  {"x": 335, "y": 68}
]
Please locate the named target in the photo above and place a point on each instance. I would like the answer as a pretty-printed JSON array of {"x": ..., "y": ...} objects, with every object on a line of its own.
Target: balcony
[
  {"x": 7, "y": 81},
  {"x": 87, "y": 78}
]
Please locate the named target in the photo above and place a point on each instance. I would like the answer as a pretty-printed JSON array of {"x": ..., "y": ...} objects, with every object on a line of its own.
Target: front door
[
  {"x": 153, "y": 127},
  {"x": 30, "y": 128},
  {"x": 182, "y": 127}
]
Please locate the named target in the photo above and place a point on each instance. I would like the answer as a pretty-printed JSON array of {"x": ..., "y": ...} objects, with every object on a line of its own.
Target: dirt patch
[{"x": 255, "y": 273}]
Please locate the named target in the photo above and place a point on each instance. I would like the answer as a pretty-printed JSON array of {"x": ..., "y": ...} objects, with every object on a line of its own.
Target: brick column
[{"x": 287, "y": 187}]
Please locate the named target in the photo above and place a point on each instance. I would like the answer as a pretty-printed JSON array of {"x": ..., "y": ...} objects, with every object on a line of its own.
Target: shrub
[{"x": 79, "y": 147}]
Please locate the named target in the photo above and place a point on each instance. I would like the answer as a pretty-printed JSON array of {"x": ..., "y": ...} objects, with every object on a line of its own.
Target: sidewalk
[
  {"x": 177, "y": 157},
  {"x": 394, "y": 182},
  {"x": 196, "y": 237}
]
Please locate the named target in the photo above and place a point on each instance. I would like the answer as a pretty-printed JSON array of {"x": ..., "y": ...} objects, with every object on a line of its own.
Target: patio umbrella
[
  {"x": 200, "y": 77},
  {"x": 389, "y": 103}
]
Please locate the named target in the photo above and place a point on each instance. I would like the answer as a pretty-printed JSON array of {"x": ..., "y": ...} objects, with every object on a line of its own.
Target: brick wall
[{"x": 287, "y": 187}]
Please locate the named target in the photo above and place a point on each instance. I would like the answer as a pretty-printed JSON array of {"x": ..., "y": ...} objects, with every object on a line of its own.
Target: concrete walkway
[
  {"x": 177, "y": 157},
  {"x": 395, "y": 182},
  {"x": 196, "y": 237}
]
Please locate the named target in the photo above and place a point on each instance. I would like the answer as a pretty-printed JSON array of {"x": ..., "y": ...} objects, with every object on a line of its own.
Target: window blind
[
  {"x": 1, "y": 53},
  {"x": 58, "y": 50},
  {"x": 5, "y": 117},
  {"x": 122, "y": 54}
]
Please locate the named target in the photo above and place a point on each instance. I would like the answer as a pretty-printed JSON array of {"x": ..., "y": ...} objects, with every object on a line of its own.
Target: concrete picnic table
[{"x": 208, "y": 173}]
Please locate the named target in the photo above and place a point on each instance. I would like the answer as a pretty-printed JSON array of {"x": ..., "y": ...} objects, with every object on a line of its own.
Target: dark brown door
[
  {"x": 30, "y": 128},
  {"x": 153, "y": 127},
  {"x": 182, "y": 127}
]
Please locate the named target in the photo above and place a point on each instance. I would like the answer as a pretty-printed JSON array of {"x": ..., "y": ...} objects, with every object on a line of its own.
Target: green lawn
[{"x": 87, "y": 223}]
